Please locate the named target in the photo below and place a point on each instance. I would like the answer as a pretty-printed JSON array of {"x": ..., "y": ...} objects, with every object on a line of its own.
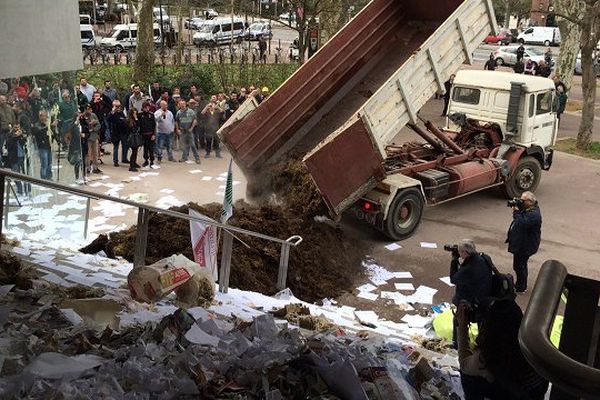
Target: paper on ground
[
  {"x": 58, "y": 366},
  {"x": 416, "y": 321},
  {"x": 393, "y": 246},
  {"x": 198, "y": 336},
  {"x": 423, "y": 294},
  {"x": 367, "y": 316},
  {"x": 368, "y": 296},
  {"x": 72, "y": 316},
  {"x": 429, "y": 245},
  {"x": 367, "y": 287},
  {"x": 167, "y": 191},
  {"x": 207, "y": 178},
  {"x": 446, "y": 280},
  {"x": 404, "y": 286},
  {"x": 196, "y": 171}
]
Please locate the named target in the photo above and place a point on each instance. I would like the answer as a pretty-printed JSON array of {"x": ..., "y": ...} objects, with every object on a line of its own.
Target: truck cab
[{"x": 485, "y": 96}]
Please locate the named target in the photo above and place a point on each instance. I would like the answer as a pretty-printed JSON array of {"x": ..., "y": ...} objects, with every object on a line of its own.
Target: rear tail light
[{"x": 367, "y": 206}]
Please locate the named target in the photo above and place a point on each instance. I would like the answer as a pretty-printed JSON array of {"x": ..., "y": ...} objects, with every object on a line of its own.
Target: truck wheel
[
  {"x": 499, "y": 61},
  {"x": 547, "y": 43},
  {"x": 526, "y": 177},
  {"x": 405, "y": 214},
  {"x": 521, "y": 41}
]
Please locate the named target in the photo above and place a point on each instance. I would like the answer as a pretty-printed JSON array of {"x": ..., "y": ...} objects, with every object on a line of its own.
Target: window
[
  {"x": 226, "y": 27},
  {"x": 133, "y": 34},
  {"x": 88, "y": 35},
  {"x": 531, "y": 105},
  {"x": 121, "y": 35},
  {"x": 466, "y": 95},
  {"x": 543, "y": 103},
  {"x": 238, "y": 26},
  {"x": 216, "y": 28},
  {"x": 156, "y": 32},
  {"x": 530, "y": 30}
]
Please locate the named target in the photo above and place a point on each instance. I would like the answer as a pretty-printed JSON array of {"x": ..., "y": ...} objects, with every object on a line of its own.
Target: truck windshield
[{"x": 466, "y": 95}]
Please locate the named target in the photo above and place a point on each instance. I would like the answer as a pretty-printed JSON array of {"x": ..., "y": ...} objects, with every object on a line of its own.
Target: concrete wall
[{"x": 39, "y": 36}]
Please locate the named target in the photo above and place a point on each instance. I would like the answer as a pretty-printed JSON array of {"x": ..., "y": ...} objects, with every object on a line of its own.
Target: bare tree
[
  {"x": 304, "y": 14},
  {"x": 144, "y": 55},
  {"x": 587, "y": 17}
]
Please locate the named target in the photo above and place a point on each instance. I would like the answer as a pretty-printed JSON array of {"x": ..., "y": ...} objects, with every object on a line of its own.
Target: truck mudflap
[{"x": 327, "y": 90}]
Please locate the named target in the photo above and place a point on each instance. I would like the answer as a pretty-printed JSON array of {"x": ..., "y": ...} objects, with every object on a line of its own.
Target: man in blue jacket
[{"x": 524, "y": 236}]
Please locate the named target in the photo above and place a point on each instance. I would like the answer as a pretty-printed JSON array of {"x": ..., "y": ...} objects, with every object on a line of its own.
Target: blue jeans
[
  {"x": 187, "y": 142},
  {"x": 124, "y": 149},
  {"x": 19, "y": 166},
  {"x": 164, "y": 140},
  {"x": 45, "y": 163}
]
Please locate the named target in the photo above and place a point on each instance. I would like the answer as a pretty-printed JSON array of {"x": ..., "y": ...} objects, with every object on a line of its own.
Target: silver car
[{"x": 507, "y": 55}]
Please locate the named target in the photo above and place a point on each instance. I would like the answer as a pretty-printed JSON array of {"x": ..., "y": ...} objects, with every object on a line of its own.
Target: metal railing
[
  {"x": 574, "y": 367},
  {"x": 142, "y": 225}
]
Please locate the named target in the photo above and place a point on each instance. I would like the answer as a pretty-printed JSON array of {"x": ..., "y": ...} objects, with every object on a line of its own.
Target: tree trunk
[
  {"x": 570, "y": 40},
  {"x": 588, "y": 85},
  {"x": 144, "y": 53},
  {"x": 507, "y": 14}
]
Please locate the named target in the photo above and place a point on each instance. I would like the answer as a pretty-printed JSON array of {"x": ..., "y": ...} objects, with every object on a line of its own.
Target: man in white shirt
[
  {"x": 165, "y": 126},
  {"x": 86, "y": 88}
]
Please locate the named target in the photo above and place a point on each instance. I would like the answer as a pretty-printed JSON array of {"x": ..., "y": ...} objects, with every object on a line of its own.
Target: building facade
[{"x": 539, "y": 10}]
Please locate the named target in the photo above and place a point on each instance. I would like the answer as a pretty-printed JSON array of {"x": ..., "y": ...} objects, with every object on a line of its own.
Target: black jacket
[
  {"x": 473, "y": 280},
  {"x": 40, "y": 134},
  {"x": 525, "y": 232},
  {"x": 146, "y": 123},
  {"x": 118, "y": 130}
]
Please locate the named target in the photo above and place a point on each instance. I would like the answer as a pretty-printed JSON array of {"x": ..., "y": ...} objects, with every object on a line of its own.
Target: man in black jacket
[
  {"x": 524, "y": 235},
  {"x": 472, "y": 276},
  {"x": 41, "y": 135}
]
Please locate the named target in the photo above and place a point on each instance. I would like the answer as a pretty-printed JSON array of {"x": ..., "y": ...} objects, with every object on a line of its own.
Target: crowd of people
[{"x": 84, "y": 121}]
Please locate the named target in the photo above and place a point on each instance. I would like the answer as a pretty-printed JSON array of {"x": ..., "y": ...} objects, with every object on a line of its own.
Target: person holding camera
[
  {"x": 496, "y": 368},
  {"x": 524, "y": 235},
  {"x": 471, "y": 274}
]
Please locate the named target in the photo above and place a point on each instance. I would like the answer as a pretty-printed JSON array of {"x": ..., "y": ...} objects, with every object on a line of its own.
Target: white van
[
  {"x": 546, "y": 35},
  {"x": 88, "y": 38},
  {"x": 219, "y": 31},
  {"x": 124, "y": 36}
]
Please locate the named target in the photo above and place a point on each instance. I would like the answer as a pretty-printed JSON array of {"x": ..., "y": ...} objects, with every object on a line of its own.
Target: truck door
[{"x": 544, "y": 119}]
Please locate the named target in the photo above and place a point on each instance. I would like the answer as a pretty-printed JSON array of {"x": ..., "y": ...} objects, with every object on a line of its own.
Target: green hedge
[{"x": 211, "y": 78}]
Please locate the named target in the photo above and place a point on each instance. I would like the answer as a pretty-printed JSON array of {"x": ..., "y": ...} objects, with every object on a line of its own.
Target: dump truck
[{"x": 342, "y": 109}]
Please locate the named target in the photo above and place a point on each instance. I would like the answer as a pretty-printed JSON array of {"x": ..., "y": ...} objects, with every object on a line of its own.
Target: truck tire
[
  {"x": 404, "y": 215},
  {"x": 500, "y": 61},
  {"x": 546, "y": 43},
  {"x": 526, "y": 177}
]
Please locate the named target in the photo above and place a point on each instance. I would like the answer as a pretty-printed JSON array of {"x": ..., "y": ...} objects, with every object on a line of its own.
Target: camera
[
  {"x": 453, "y": 248},
  {"x": 474, "y": 312},
  {"x": 516, "y": 202}
]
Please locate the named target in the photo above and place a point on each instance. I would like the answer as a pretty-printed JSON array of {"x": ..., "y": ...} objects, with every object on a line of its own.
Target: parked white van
[
  {"x": 219, "y": 31},
  {"x": 88, "y": 38},
  {"x": 124, "y": 36},
  {"x": 546, "y": 35}
]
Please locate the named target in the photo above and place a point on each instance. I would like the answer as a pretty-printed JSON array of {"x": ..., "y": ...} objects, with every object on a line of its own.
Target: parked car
[
  {"x": 579, "y": 70},
  {"x": 504, "y": 38},
  {"x": 220, "y": 31},
  {"x": 124, "y": 36},
  {"x": 507, "y": 55},
  {"x": 546, "y": 35},
  {"x": 258, "y": 29},
  {"x": 88, "y": 38}
]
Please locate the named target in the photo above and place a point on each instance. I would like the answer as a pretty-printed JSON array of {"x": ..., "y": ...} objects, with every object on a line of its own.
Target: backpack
[{"x": 503, "y": 285}]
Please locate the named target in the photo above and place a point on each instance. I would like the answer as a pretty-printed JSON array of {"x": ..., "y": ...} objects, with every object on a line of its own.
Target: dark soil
[{"x": 12, "y": 271}]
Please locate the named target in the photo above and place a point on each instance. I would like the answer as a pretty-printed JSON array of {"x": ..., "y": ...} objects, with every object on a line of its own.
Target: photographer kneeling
[{"x": 472, "y": 275}]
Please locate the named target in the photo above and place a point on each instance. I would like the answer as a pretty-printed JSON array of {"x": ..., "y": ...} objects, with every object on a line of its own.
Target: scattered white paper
[
  {"x": 402, "y": 275},
  {"x": 22, "y": 251},
  {"x": 368, "y": 296},
  {"x": 404, "y": 286},
  {"x": 367, "y": 287},
  {"x": 393, "y": 246},
  {"x": 423, "y": 295},
  {"x": 189, "y": 162},
  {"x": 416, "y": 321},
  {"x": 220, "y": 178},
  {"x": 198, "y": 336},
  {"x": 367, "y": 316},
  {"x": 446, "y": 280},
  {"x": 207, "y": 178},
  {"x": 429, "y": 245},
  {"x": 58, "y": 366},
  {"x": 196, "y": 171},
  {"x": 167, "y": 191}
]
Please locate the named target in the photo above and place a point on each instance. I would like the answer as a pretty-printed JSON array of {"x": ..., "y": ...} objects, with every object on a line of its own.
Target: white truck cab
[{"x": 485, "y": 95}]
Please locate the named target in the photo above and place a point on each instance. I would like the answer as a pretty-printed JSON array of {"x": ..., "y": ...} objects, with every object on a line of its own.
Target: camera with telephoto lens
[
  {"x": 451, "y": 248},
  {"x": 516, "y": 202},
  {"x": 474, "y": 313}
]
